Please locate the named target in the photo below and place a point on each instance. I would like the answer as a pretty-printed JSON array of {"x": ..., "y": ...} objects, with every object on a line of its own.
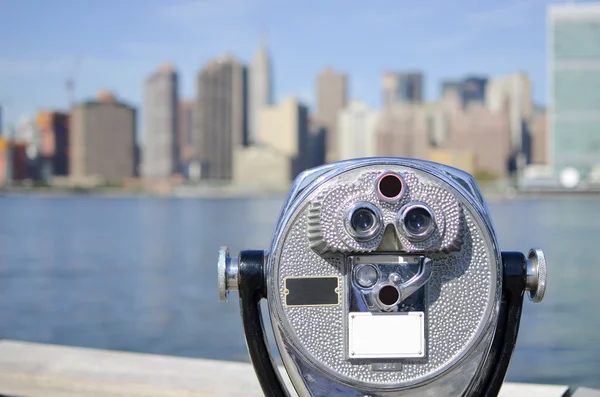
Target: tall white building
[
  {"x": 282, "y": 152},
  {"x": 160, "y": 155},
  {"x": 332, "y": 97},
  {"x": 261, "y": 89},
  {"x": 357, "y": 127},
  {"x": 516, "y": 89},
  {"x": 574, "y": 90}
]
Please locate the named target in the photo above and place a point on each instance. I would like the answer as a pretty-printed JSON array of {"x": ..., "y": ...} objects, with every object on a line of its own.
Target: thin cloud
[
  {"x": 155, "y": 49},
  {"x": 378, "y": 17},
  {"x": 511, "y": 14},
  {"x": 445, "y": 44},
  {"x": 16, "y": 67},
  {"x": 205, "y": 27},
  {"x": 198, "y": 11},
  {"x": 207, "y": 17},
  {"x": 366, "y": 15},
  {"x": 62, "y": 65}
]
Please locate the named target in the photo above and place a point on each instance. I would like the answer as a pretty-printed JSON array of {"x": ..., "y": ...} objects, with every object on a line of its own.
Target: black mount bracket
[
  {"x": 496, "y": 365},
  {"x": 251, "y": 284}
]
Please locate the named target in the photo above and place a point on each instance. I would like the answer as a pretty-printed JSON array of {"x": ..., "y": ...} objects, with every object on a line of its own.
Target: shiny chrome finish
[
  {"x": 293, "y": 356},
  {"x": 536, "y": 275},
  {"x": 361, "y": 276},
  {"x": 394, "y": 278},
  {"x": 406, "y": 273},
  {"x": 401, "y": 221},
  {"x": 227, "y": 274},
  {"x": 386, "y": 307},
  {"x": 456, "y": 374},
  {"x": 373, "y": 231},
  {"x": 418, "y": 281}
]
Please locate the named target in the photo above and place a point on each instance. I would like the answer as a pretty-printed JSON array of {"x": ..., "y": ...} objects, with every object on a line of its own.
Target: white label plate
[{"x": 386, "y": 335}]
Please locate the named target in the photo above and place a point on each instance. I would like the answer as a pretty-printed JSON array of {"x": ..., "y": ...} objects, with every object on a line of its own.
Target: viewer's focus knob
[
  {"x": 227, "y": 274},
  {"x": 536, "y": 275}
]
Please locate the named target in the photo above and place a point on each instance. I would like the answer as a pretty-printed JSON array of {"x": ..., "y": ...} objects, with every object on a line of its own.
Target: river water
[{"x": 139, "y": 274}]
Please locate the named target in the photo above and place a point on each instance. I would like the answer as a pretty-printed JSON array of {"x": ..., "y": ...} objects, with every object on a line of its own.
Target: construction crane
[{"x": 70, "y": 83}]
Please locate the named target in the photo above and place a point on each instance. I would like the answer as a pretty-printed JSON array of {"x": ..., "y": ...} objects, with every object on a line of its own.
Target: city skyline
[{"x": 33, "y": 70}]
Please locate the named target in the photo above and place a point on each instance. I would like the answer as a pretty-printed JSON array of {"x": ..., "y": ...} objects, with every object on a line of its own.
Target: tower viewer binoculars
[{"x": 384, "y": 278}]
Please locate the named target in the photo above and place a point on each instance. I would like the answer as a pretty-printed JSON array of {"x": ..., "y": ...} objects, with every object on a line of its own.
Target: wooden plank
[
  {"x": 39, "y": 370},
  {"x": 530, "y": 390},
  {"x": 585, "y": 392},
  {"x": 32, "y": 370}
]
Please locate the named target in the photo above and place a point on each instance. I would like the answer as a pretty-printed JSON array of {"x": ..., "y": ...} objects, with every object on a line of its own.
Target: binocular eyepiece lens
[
  {"x": 364, "y": 221},
  {"x": 417, "y": 221}
]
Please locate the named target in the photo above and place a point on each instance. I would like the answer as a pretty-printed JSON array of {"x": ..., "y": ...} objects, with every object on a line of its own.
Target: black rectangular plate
[{"x": 312, "y": 291}]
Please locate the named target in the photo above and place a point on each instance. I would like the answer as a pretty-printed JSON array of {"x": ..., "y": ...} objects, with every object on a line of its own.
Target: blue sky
[{"x": 119, "y": 42}]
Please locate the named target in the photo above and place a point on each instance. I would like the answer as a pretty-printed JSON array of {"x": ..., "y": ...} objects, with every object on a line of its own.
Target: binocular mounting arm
[{"x": 246, "y": 275}]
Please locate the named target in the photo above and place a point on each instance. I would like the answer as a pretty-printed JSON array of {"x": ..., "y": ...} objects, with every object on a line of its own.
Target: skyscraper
[
  {"x": 516, "y": 90},
  {"x": 539, "y": 137},
  {"x": 473, "y": 90},
  {"x": 357, "y": 131},
  {"x": 103, "y": 140},
  {"x": 13, "y": 161},
  {"x": 285, "y": 128},
  {"x": 222, "y": 115},
  {"x": 406, "y": 87},
  {"x": 332, "y": 97},
  {"x": 574, "y": 87},
  {"x": 260, "y": 90},
  {"x": 283, "y": 151},
  {"x": 451, "y": 88},
  {"x": 402, "y": 131},
  {"x": 186, "y": 136},
  {"x": 160, "y": 154},
  {"x": 484, "y": 134},
  {"x": 54, "y": 143},
  {"x": 28, "y": 132}
]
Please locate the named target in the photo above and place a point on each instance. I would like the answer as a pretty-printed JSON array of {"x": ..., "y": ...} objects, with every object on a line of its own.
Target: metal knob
[
  {"x": 227, "y": 274},
  {"x": 536, "y": 275}
]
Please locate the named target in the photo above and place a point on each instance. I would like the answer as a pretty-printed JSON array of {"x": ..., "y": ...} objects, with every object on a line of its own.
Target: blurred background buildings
[
  {"x": 232, "y": 132},
  {"x": 161, "y": 146}
]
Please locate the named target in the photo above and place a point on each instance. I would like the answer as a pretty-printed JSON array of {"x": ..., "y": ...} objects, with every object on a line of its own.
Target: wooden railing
[{"x": 38, "y": 370}]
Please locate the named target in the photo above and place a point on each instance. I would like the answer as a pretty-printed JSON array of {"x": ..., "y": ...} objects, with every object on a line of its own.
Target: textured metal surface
[
  {"x": 462, "y": 289},
  {"x": 327, "y": 232}
]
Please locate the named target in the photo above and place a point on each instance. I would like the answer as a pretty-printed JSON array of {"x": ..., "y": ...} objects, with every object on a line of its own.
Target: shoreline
[
  {"x": 203, "y": 193},
  {"x": 241, "y": 193}
]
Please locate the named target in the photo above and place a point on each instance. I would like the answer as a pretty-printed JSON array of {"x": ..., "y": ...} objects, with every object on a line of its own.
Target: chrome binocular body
[{"x": 384, "y": 278}]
